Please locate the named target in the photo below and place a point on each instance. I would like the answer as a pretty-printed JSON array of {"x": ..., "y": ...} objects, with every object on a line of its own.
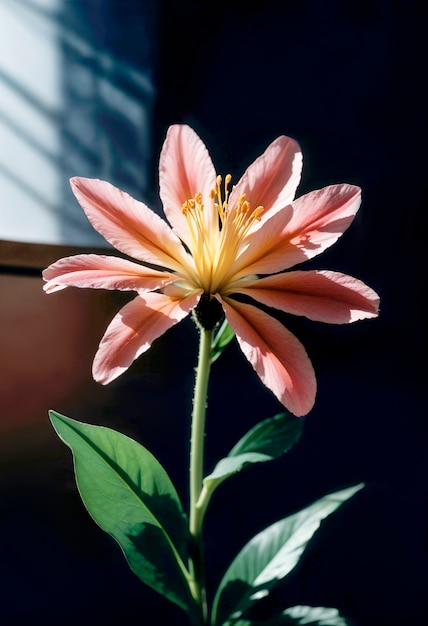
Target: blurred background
[{"x": 89, "y": 87}]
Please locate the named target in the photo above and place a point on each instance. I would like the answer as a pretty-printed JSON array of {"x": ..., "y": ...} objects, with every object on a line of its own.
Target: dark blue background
[{"x": 348, "y": 81}]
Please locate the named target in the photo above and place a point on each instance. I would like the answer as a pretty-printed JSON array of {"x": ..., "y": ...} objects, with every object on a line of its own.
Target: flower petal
[
  {"x": 133, "y": 330},
  {"x": 277, "y": 355},
  {"x": 320, "y": 218},
  {"x": 271, "y": 181},
  {"x": 129, "y": 225},
  {"x": 185, "y": 169},
  {"x": 103, "y": 272},
  {"x": 319, "y": 295},
  {"x": 265, "y": 251}
]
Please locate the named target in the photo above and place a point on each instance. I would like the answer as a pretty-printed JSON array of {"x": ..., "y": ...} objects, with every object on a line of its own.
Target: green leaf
[
  {"x": 269, "y": 557},
  {"x": 301, "y": 615},
  {"x": 130, "y": 496},
  {"x": 266, "y": 441},
  {"x": 316, "y": 615},
  {"x": 222, "y": 338}
]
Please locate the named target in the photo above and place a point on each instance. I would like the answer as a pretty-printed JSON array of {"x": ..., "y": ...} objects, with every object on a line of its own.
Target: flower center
[{"x": 218, "y": 235}]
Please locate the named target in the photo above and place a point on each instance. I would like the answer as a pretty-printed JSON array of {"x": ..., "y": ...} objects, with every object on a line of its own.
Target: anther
[
  {"x": 257, "y": 213},
  {"x": 242, "y": 206}
]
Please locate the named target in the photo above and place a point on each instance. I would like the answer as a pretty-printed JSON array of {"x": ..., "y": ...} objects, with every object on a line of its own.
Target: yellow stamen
[
  {"x": 193, "y": 209},
  {"x": 226, "y": 191},
  {"x": 216, "y": 244}
]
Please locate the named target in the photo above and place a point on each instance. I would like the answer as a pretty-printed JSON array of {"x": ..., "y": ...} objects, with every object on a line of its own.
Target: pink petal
[
  {"x": 271, "y": 181},
  {"x": 278, "y": 357},
  {"x": 321, "y": 215},
  {"x": 129, "y": 225},
  {"x": 319, "y": 295},
  {"x": 133, "y": 330},
  {"x": 185, "y": 169},
  {"x": 103, "y": 272},
  {"x": 266, "y": 250},
  {"x": 320, "y": 218}
]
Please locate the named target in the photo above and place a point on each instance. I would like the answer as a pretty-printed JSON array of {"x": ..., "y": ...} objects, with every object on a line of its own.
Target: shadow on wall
[{"x": 77, "y": 98}]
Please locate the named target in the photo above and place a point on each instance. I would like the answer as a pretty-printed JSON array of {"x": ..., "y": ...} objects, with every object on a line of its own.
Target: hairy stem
[{"x": 196, "y": 471}]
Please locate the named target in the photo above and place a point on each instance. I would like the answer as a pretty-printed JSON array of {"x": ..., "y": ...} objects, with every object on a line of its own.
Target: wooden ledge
[{"x": 18, "y": 255}]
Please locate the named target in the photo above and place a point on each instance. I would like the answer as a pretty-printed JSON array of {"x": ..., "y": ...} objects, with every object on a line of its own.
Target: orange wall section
[{"x": 47, "y": 344}]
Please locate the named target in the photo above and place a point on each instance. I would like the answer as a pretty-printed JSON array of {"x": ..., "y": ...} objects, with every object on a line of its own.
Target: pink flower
[{"x": 224, "y": 241}]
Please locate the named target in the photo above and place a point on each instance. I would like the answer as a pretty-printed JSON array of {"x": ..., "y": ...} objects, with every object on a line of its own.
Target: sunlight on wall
[
  {"x": 29, "y": 141},
  {"x": 68, "y": 106}
]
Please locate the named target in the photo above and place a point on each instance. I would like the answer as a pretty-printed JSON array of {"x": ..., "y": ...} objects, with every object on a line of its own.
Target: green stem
[{"x": 197, "y": 569}]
